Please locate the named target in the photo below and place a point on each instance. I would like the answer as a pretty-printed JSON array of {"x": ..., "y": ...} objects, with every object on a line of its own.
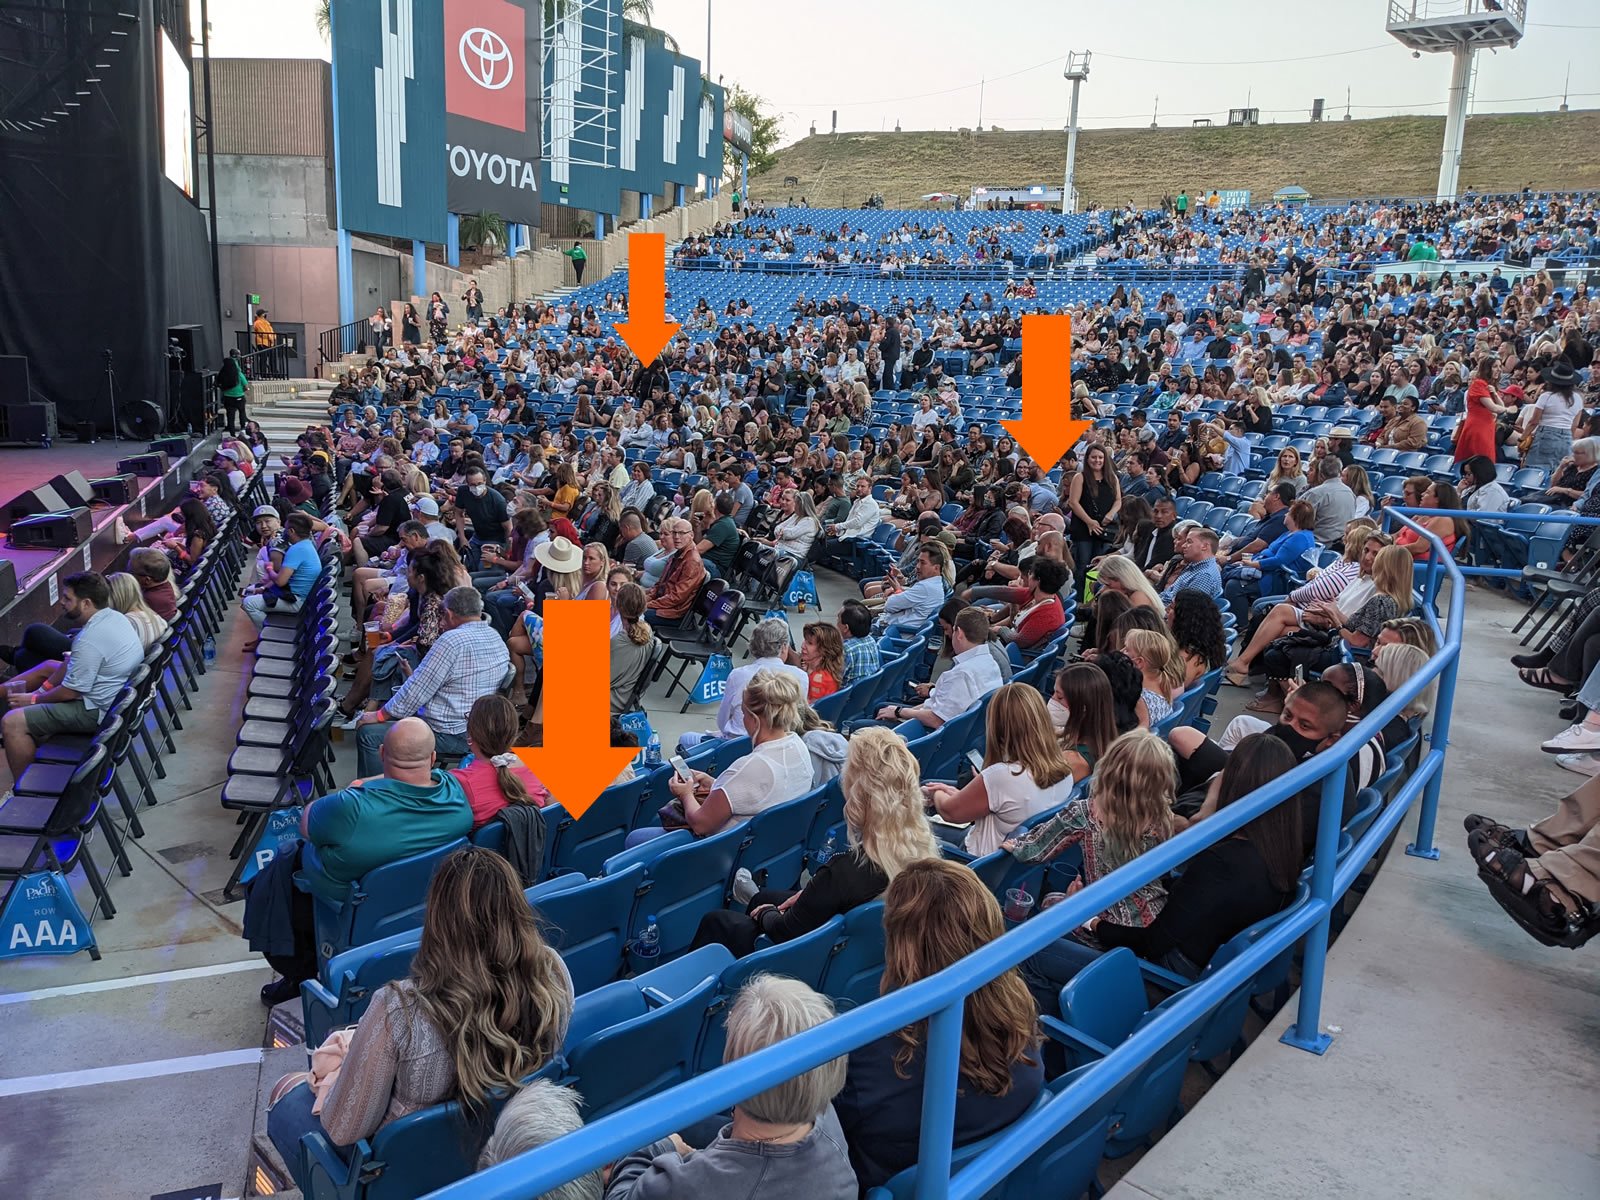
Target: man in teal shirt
[{"x": 410, "y": 809}]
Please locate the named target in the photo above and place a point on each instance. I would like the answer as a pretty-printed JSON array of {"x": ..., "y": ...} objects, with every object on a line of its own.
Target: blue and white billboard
[{"x": 389, "y": 117}]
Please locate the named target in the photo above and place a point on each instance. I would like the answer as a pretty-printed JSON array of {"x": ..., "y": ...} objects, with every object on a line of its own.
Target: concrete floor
[{"x": 145, "y": 1072}]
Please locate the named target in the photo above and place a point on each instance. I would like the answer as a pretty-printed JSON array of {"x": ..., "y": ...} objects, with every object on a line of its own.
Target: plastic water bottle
[
  {"x": 652, "y": 750},
  {"x": 647, "y": 946},
  {"x": 210, "y": 649},
  {"x": 829, "y": 849}
]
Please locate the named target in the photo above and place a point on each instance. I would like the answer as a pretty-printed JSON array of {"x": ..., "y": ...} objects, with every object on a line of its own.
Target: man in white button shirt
[
  {"x": 862, "y": 519},
  {"x": 972, "y": 675},
  {"x": 768, "y": 641}
]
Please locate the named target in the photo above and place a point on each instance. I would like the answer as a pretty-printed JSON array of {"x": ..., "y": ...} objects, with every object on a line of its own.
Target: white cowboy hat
[{"x": 559, "y": 554}]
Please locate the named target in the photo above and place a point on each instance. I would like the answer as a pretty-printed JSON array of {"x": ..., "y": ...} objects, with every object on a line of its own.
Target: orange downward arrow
[
  {"x": 577, "y": 761},
  {"x": 647, "y": 330},
  {"x": 1046, "y": 430}
]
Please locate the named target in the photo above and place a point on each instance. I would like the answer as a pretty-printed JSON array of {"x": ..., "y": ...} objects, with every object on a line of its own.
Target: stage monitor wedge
[
  {"x": 53, "y": 531},
  {"x": 31, "y": 503},
  {"x": 175, "y": 447},
  {"x": 8, "y": 582},
  {"x": 115, "y": 489},
  {"x": 146, "y": 466},
  {"x": 73, "y": 489}
]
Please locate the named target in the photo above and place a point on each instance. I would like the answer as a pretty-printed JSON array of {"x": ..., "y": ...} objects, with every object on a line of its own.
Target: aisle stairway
[{"x": 285, "y": 407}]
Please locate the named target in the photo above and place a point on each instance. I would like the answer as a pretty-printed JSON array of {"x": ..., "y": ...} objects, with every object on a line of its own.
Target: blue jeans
[
  {"x": 504, "y": 607},
  {"x": 639, "y": 836},
  {"x": 1589, "y": 694},
  {"x": 370, "y": 736},
  {"x": 288, "y": 1121}
]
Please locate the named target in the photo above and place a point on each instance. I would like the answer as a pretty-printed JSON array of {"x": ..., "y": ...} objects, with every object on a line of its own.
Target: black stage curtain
[{"x": 98, "y": 250}]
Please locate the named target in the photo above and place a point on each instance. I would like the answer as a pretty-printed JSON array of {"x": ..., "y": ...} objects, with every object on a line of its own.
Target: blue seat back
[
  {"x": 856, "y": 965},
  {"x": 774, "y": 848},
  {"x": 641, "y": 1056},
  {"x": 584, "y": 846},
  {"x": 387, "y": 900},
  {"x": 684, "y": 884},
  {"x": 589, "y": 925},
  {"x": 1104, "y": 1000}
]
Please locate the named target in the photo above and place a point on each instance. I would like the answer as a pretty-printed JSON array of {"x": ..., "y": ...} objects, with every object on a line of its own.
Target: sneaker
[
  {"x": 1580, "y": 764},
  {"x": 744, "y": 886},
  {"x": 1572, "y": 739},
  {"x": 353, "y": 721}
]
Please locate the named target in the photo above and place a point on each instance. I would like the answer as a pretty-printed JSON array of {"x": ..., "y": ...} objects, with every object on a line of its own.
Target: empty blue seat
[{"x": 853, "y": 973}]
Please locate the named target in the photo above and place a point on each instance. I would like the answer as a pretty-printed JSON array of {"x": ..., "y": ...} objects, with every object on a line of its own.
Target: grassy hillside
[{"x": 1390, "y": 155}]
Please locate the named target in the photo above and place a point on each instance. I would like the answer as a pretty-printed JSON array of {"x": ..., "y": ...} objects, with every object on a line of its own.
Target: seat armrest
[
  {"x": 1058, "y": 1030},
  {"x": 646, "y": 852}
]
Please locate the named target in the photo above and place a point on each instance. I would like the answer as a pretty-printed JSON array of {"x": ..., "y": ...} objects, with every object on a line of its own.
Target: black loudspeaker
[
  {"x": 53, "y": 531},
  {"x": 35, "y": 423},
  {"x": 8, "y": 582},
  {"x": 187, "y": 339},
  {"x": 149, "y": 466},
  {"x": 140, "y": 420},
  {"x": 14, "y": 384},
  {"x": 191, "y": 410},
  {"x": 175, "y": 447},
  {"x": 115, "y": 489},
  {"x": 73, "y": 489},
  {"x": 30, "y": 504}
]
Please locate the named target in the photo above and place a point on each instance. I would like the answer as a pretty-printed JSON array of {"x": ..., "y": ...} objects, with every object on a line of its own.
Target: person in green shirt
[
  {"x": 1183, "y": 203},
  {"x": 578, "y": 257},
  {"x": 722, "y": 538},
  {"x": 1422, "y": 250},
  {"x": 409, "y": 809},
  {"x": 231, "y": 382}
]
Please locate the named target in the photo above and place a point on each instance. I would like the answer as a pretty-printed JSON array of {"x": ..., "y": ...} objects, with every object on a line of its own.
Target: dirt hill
[{"x": 1389, "y": 155}]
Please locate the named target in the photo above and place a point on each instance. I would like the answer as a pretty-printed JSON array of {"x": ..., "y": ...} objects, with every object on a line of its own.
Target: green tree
[
  {"x": 484, "y": 230},
  {"x": 324, "y": 19},
  {"x": 764, "y": 132}
]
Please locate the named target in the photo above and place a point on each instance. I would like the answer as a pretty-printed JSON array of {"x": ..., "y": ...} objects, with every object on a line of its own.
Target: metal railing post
[
  {"x": 941, "y": 1077},
  {"x": 1306, "y": 1032},
  {"x": 1428, "y": 810}
]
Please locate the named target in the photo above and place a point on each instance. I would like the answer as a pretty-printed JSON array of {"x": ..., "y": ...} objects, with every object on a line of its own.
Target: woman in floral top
[{"x": 1128, "y": 811}]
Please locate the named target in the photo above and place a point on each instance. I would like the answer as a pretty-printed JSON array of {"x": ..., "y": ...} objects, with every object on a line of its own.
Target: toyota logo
[{"x": 486, "y": 58}]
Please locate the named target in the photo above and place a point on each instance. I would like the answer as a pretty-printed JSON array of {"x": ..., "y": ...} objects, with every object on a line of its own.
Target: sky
[{"x": 922, "y": 64}]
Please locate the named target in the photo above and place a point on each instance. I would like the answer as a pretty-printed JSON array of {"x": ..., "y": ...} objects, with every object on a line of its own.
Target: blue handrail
[{"x": 939, "y": 998}]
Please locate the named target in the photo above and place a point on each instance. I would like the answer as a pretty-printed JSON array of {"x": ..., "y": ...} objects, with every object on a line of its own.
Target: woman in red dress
[{"x": 1476, "y": 434}]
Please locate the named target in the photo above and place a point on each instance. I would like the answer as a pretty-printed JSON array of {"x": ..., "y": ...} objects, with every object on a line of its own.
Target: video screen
[{"x": 177, "y": 118}]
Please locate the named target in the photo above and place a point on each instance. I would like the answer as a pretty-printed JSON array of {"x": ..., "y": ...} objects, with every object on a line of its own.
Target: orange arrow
[
  {"x": 577, "y": 761},
  {"x": 1046, "y": 430},
  {"x": 647, "y": 330}
]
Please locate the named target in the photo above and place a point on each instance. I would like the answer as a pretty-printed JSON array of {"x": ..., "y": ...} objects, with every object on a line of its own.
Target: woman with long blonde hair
[
  {"x": 1288, "y": 469},
  {"x": 1128, "y": 811},
  {"x": 935, "y": 914},
  {"x": 1123, "y": 575},
  {"x": 887, "y": 831},
  {"x": 485, "y": 1004},
  {"x": 1156, "y": 655},
  {"x": 1024, "y": 774},
  {"x": 128, "y": 598}
]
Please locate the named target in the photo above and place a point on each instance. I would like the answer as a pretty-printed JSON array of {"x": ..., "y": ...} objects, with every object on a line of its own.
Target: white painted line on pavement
[
  {"x": 112, "y": 985},
  {"x": 28, "y": 1084}
]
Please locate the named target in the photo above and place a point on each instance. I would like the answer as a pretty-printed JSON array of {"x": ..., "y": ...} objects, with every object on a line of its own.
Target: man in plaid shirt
[{"x": 468, "y": 660}]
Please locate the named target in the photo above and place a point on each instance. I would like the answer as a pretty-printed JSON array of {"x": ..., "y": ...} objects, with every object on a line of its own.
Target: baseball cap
[
  {"x": 264, "y": 510},
  {"x": 426, "y": 505},
  {"x": 229, "y": 452}
]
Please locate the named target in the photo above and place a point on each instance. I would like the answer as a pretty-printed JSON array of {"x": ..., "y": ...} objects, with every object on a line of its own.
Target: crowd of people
[{"x": 556, "y": 466}]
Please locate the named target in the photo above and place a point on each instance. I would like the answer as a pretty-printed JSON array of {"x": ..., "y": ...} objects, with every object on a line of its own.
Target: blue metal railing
[{"x": 939, "y": 999}]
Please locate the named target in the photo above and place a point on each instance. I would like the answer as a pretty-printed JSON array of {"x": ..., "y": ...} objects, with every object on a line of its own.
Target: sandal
[
  {"x": 1547, "y": 911},
  {"x": 1238, "y": 680},
  {"x": 1496, "y": 834},
  {"x": 1544, "y": 679},
  {"x": 1268, "y": 704}
]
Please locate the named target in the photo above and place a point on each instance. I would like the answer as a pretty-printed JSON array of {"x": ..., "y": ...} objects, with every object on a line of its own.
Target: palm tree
[
  {"x": 324, "y": 19},
  {"x": 485, "y": 230}
]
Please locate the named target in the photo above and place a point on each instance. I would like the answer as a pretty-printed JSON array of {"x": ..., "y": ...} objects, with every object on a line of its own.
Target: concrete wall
[
  {"x": 298, "y": 284},
  {"x": 274, "y": 199}
]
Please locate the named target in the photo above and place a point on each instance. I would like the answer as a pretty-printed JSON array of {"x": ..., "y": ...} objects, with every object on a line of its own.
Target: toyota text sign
[{"x": 492, "y": 83}]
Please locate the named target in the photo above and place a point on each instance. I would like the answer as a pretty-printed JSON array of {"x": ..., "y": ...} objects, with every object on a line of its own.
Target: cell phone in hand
[
  {"x": 976, "y": 760},
  {"x": 681, "y": 768}
]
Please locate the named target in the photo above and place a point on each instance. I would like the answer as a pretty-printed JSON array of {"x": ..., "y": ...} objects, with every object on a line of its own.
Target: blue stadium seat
[
  {"x": 385, "y": 901},
  {"x": 853, "y": 972}
]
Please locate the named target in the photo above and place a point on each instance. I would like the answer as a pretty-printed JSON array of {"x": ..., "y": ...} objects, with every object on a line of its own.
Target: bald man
[{"x": 409, "y": 809}]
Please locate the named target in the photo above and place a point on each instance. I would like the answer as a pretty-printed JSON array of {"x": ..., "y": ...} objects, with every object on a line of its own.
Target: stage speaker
[
  {"x": 53, "y": 531},
  {"x": 14, "y": 385},
  {"x": 140, "y": 420},
  {"x": 34, "y": 423},
  {"x": 148, "y": 466},
  {"x": 8, "y": 582},
  {"x": 175, "y": 447},
  {"x": 30, "y": 504},
  {"x": 187, "y": 339},
  {"x": 191, "y": 410},
  {"x": 115, "y": 489},
  {"x": 73, "y": 488}
]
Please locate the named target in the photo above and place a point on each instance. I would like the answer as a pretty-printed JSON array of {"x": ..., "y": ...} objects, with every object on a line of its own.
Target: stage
[{"x": 39, "y": 572}]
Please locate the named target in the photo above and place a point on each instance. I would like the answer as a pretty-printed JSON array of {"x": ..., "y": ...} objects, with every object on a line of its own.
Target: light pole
[{"x": 1077, "y": 70}]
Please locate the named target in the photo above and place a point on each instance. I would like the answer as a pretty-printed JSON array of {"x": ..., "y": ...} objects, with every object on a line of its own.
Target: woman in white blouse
[
  {"x": 799, "y": 527},
  {"x": 1025, "y": 773}
]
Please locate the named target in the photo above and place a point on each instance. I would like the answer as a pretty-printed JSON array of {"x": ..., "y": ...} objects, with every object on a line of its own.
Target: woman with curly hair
[{"x": 1196, "y": 624}]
